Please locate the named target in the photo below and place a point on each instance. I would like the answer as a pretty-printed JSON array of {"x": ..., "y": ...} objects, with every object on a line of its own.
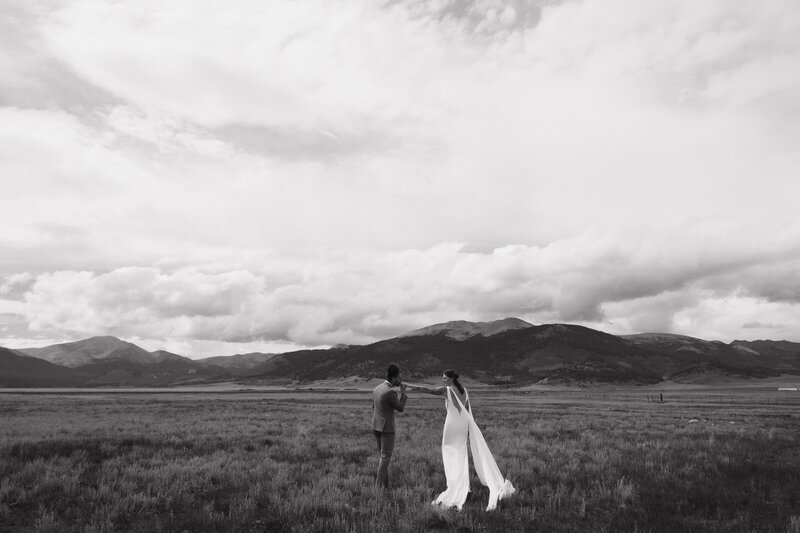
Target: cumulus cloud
[
  {"x": 182, "y": 304},
  {"x": 762, "y": 325},
  {"x": 417, "y": 117},
  {"x": 290, "y": 65},
  {"x": 15, "y": 282},
  {"x": 364, "y": 297},
  {"x": 296, "y": 174}
]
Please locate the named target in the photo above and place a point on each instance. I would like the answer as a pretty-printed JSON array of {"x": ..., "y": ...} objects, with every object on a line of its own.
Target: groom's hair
[{"x": 392, "y": 372}]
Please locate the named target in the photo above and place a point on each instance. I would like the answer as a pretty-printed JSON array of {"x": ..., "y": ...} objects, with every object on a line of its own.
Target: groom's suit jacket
[{"x": 384, "y": 403}]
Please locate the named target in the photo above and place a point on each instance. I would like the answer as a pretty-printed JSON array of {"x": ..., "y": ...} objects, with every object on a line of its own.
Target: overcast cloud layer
[{"x": 224, "y": 177}]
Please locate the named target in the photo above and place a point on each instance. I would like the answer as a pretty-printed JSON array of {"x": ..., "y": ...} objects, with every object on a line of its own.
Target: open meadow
[{"x": 305, "y": 461}]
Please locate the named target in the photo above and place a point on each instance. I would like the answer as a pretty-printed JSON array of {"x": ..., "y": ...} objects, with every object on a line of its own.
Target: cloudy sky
[{"x": 218, "y": 177}]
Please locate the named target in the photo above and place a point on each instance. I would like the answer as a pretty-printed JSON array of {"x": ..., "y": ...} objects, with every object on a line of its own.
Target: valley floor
[{"x": 599, "y": 459}]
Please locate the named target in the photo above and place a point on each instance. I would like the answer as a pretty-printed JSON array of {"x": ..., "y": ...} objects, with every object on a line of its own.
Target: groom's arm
[{"x": 398, "y": 404}]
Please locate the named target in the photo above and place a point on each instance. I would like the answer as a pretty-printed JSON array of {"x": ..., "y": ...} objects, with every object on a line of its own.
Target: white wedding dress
[{"x": 458, "y": 426}]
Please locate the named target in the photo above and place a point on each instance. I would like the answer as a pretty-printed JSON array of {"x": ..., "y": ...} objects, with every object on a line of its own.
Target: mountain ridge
[
  {"x": 462, "y": 329},
  {"x": 96, "y": 349},
  {"x": 509, "y": 351},
  {"x": 20, "y": 370}
]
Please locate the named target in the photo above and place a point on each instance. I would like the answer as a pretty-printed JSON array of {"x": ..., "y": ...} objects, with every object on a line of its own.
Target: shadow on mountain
[{"x": 506, "y": 352}]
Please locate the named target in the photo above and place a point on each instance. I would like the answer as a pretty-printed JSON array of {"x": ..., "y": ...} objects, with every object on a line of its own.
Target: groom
[{"x": 384, "y": 403}]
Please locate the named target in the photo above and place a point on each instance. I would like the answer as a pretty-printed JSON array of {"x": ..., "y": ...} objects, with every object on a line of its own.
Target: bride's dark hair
[{"x": 454, "y": 375}]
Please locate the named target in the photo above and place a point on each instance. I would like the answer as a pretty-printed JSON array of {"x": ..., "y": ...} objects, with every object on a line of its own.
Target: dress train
[{"x": 460, "y": 427}]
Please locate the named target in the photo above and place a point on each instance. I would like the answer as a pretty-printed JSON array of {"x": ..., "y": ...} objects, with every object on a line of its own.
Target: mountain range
[{"x": 503, "y": 352}]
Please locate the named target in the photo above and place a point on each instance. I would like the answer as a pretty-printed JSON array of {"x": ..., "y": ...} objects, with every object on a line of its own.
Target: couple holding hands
[{"x": 460, "y": 432}]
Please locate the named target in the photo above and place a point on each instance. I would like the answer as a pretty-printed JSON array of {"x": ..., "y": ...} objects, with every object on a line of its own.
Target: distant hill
[
  {"x": 112, "y": 361},
  {"x": 239, "y": 364},
  {"x": 461, "y": 329},
  {"x": 20, "y": 370},
  {"x": 508, "y": 351},
  {"x": 697, "y": 360},
  {"x": 164, "y": 373},
  {"x": 97, "y": 349},
  {"x": 550, "y": 353},
  {"x": 781, "y": 355}
]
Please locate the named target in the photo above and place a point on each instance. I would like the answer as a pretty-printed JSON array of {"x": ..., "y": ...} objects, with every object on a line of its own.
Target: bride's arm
[{"x": 439, "y": 391}]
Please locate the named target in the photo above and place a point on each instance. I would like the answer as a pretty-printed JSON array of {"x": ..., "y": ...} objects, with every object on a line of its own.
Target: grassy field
[{"x": 305, "y": 461}]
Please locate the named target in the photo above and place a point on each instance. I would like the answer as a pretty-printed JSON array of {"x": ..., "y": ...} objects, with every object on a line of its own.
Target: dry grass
[{"x": 306, "y": 462}]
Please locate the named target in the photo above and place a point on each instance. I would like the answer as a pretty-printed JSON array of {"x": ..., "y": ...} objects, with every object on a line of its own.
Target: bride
[{"x": 459, "y": 425}]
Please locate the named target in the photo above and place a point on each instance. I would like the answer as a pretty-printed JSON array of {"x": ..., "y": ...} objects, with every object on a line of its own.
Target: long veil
[{"x": 485, "y": 465}]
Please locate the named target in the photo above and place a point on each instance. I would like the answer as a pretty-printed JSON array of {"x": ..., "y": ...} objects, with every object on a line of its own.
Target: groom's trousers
[{"x": 385, "y": 447}]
